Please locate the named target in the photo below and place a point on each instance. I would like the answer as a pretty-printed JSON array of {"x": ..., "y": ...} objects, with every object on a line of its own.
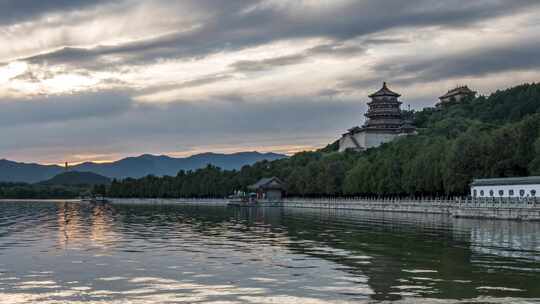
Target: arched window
[
  {"x": 511, "y": 192},
  {"x": 533, "y": 192},
  {"x": 491, "y": 193},
  {"x": 501, "y": 192},
  {"x": 481, "y": 192},
  {"x": 521, "y": 192}
]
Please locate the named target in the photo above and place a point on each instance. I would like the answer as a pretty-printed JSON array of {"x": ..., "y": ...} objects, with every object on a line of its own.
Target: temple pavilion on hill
[
  {"x": 384, "y": 123},
  {"x": 456, "y": 95}
]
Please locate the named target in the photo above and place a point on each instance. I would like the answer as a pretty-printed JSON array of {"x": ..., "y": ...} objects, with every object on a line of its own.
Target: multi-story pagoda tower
[
  {"x": 384, "y": 123},
  {"x": 384, "y": 110}
]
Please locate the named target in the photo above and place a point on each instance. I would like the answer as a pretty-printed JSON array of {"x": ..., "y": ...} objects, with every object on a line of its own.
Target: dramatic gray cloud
[
  {"x": 97, "y": 80},
  {"x": 15, "y": 11},
  {"x": 469, "y": 63},
  {"x": 335, "y": 50},
  {"x": 69, "y": 108},
  {"x": 175, "y": 128},
  {"x": 241, "y": 24},
  {"x": 477, "y": 62}
]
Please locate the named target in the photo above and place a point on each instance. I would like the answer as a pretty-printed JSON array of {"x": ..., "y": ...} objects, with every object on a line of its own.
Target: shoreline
[
  {"x": 498, "y": 210},
  {"x": 29, "y": 200},
  {"x": 524, "y": 211}
]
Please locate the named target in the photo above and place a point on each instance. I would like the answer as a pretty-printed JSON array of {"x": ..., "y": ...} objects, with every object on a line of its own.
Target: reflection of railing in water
[{"x": 508, "y": 239}]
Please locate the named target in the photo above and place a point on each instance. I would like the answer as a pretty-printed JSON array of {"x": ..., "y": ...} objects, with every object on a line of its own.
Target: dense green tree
[
  {"x": 423, "y": 173},
  {"x": 28, "y": 191},
  {"x": 359, "y": 179},
  {"x": 466, "y": 159},
  {"x": 534, "y": 167},
  {"x": 494, "y": 136}
]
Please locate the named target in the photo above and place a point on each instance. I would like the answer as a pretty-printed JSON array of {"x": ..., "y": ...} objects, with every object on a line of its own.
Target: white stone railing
[{"x": 451, "y": 203}]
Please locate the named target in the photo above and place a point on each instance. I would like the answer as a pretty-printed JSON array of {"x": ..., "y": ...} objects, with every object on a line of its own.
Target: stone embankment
[
  {"x": 525, "y": 210},
  {"x": 168, "y": 201},
  {"x": 389, "y": 205},
  {"x": 511, "y": 209}
]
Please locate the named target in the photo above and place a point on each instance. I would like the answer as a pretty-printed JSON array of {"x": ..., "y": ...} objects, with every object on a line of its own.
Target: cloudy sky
[{"x": 99, "y": 80}]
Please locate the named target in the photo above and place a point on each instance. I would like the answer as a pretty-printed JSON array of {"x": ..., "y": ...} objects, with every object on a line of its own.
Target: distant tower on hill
[
  {"x": 456, "y": 95},
  {"x": 385, "y": 122}
]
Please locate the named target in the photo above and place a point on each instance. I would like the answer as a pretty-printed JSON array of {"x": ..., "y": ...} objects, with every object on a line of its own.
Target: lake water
[{"x": 54, "y": 252}]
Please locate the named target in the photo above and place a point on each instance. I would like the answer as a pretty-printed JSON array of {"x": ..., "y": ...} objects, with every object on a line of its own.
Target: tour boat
[
  {"x": 242, "y": 200},
  {"x": 95, "y": 200}
]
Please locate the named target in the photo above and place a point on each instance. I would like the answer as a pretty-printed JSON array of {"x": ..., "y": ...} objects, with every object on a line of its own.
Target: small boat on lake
[
  {"x": 94, "y": 200},
  {"x": 240, "y": 199}
]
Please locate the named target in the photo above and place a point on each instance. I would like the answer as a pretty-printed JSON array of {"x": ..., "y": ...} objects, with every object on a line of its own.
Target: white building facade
[{"x": 512, "y": 187}]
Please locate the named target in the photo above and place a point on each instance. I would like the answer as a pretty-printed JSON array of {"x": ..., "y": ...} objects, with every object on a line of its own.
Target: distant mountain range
[{"x": 133, "y": 166}]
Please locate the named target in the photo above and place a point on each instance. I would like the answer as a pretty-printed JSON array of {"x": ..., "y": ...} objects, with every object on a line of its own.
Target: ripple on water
[{"x": 184, "y": 254}]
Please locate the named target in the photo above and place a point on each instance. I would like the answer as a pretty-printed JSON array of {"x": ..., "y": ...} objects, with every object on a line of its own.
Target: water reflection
[
  {"x": 505, "y": 239},
  {"x": 59, "y": 252},
  {"x": 83, "y": 226},
  {"x": 432, "y": 255}
]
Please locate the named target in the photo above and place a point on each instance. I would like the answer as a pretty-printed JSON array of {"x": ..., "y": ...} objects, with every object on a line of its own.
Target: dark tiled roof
[
  {"x": 385, "y": 91},
  {"x": 457, "y": 91},
  {"x": 507, "y": 181},
  {"x": 268, "y": 183},
  {"x": 354, "y": 130}
]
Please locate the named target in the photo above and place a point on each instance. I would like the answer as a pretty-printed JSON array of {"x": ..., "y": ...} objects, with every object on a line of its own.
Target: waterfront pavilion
[{"x": 271, "y": 188}]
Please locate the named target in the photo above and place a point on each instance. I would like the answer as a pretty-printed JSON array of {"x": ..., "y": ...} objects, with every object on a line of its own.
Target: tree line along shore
[{"x": 485, "y": 136}]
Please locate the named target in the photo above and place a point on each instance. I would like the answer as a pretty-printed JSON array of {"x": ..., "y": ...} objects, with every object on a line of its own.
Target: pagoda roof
[
  {"x": 457, "y": 91},
  {"x": 384, "y": 91}
]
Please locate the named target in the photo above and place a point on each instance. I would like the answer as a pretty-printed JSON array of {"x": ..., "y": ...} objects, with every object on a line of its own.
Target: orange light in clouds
[
  {"x": 283, "y": 149},
  {"x": 78, "y": 159}
]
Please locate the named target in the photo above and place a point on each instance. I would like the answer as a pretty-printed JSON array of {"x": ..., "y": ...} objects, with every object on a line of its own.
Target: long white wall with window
[{"x": 512, "y": 191}]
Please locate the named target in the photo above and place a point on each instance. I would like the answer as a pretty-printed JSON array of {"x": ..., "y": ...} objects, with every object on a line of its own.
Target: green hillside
[
  {"x": 495, "y": 136},
  {"x": 75, "y": 178},
  {"x": 67, "y": 185}
]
